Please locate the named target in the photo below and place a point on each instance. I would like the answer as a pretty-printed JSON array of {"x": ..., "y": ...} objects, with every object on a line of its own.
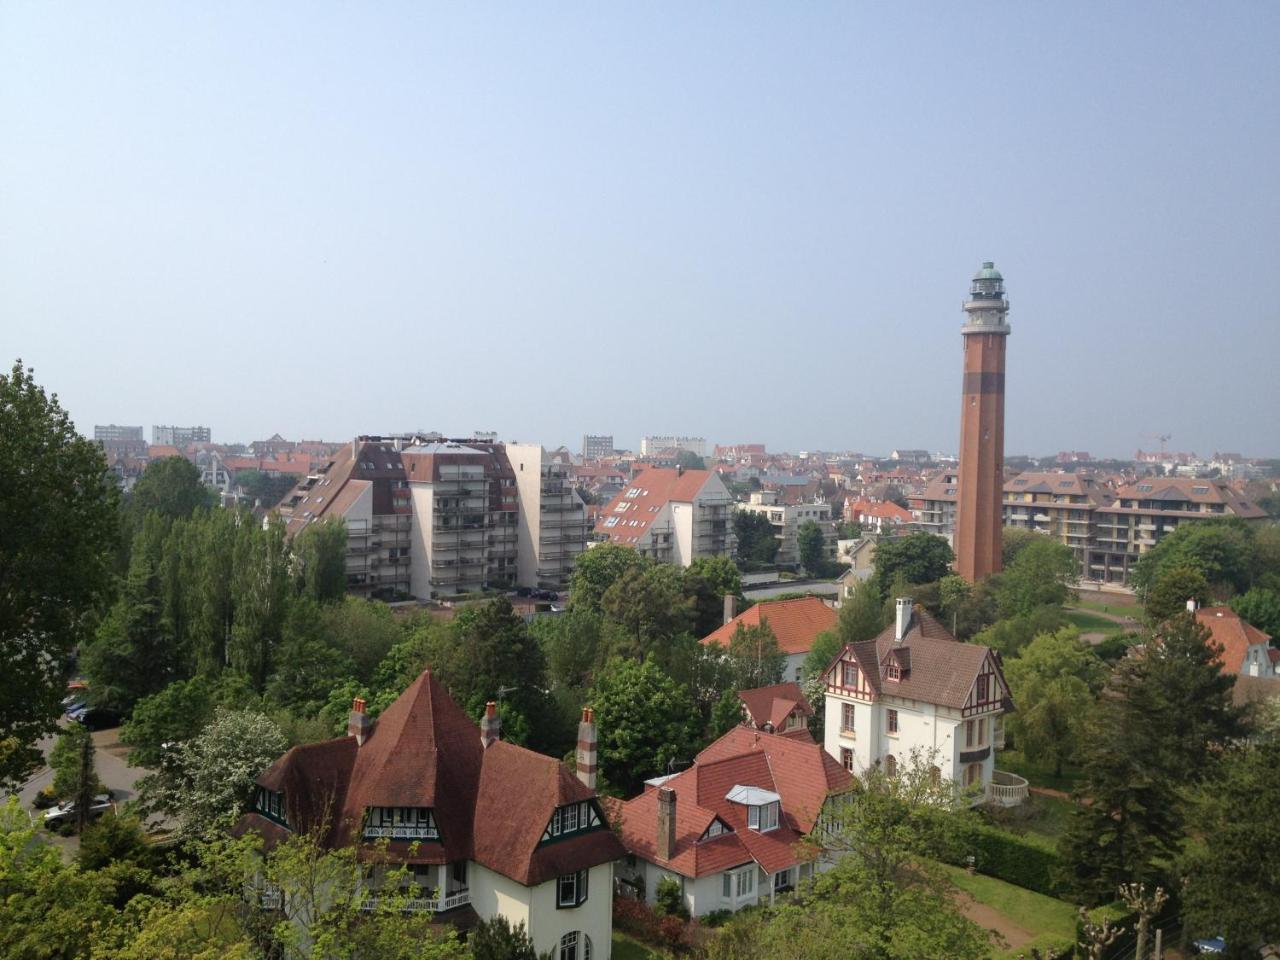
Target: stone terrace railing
[{"x": 1006, "y": 789}]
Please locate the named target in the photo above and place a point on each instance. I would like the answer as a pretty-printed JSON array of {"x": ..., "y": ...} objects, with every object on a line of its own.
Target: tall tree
[
  {"x": 754, "y": 657},
  {"x": 757, "y": 540},
  {"x": 260, "y": 593},
  {"x": 707, "y": 580},
  {"x": 364, "y": 630},
  {"x": 812, "y": 548},
  {"x": 1260, "y": 606},
  {"x": 1171, "y": 591},
  {"x": 649, "y": 607},
  {"x": 646, "y": 722},
  {"x": 214, "y": 588},
  {"x": 58, "y": 533},
  {"x": 320, "y": 560},
  {"x": 919, "y": 557},
  {"x": 597, "y": 570},
  {"x": 1053, "y": 682},
  {"x": 1041, "y": 575},
  {"x": 572, "y": 644},
  {"x": 1223, "y": 550}
]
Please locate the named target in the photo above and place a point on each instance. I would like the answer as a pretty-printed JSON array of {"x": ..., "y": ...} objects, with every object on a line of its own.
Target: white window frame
[{"x": 848, "y": 714}]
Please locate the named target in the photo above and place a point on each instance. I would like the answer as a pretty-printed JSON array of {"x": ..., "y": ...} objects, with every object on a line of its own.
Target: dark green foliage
[
  {"x": 1224, "y": 551},
  {"x": 266, "y": 489},
  {"x": 754, "y": 659},
  {"x": 67, "y": 761},
  {"x": 58, "y": 530},
  {"x": 669, "y": 898},
  {"x": 645, "y": 722},
  {"x": 1011, "y": 635},
  {"x": 757, "y": 540},
  {"x": 364, "y": 631},
  {"x": 260, "y": 592},
  {"x": 1012, "y": 540},
  {"x": 649, "y": 607},
  {"x": 846, "y": 530},
  {"x": 1013, "y": 859},
  {"x": 597, "y": 570},
  {"x": 114, "y": 839},
  {"x": 497, "y": 939},
  {"x": 309, "y": 662},
  {"x": 169, "y": 487},
  {"x": 917, "y": 557},
  {"x": 812, "y": 548},
  {"x": 320, "y": 560},
  {"x": 726, "y": 714},
  {"x": 1260, "y": 607},
  {"x": 572, "y": 644},
  {"x": 690, "y": 460},
  {"x": 1171, "y": 591},
  {"x": 172, "y": 715},
  {"x": 706, "y": 581}
]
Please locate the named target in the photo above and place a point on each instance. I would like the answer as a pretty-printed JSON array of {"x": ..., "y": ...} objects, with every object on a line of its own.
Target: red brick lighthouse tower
[{"x": 979, "y": 512}]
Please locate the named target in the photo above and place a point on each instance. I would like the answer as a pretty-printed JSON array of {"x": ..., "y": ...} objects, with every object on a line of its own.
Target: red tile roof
[
  {"x": 1234, "y": 635},
  {"x": 802, "y": 774},
  {"x": 490, "y": 805},
  {"x": 774, "y": 704},
  {"x": 884, "y": 509},
  {"x": 796, "y": 623},
  {"x": 640, "y": 503}
]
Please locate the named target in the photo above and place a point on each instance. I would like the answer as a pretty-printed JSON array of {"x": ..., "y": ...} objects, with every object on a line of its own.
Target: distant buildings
[
  {"x": 179, "y": 437},
  {"x": 910, "y": 456},
  {"x": 115, "y": 433},
  {"x": 652, "y": 446},
  {"x": 672, "y": 515},
  {"x": 878, "y": 516},
  {"x": 428, "y": 518},
  {"x": 597, "y": 446},
  {"x": 786, "y": 519}
]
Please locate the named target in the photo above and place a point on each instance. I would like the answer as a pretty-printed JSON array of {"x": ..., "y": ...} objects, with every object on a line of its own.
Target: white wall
[
  {"x": 526, "y": 461},
  {"x": 682, "y": 521},
  {"x": 594, "y": 918},
  {"x": 420, "y": 496}
]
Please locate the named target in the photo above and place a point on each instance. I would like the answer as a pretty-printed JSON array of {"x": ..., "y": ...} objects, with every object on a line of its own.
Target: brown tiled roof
[
  {"x": 657, "y": 487},
  {"x": 796, "y": 623},
  {"x": 1190, "y": 490},
  {"x": 1234, "y": 635},
  {"x": 885, "y": 509},
  {"x": 490, "y": 805},
  {"x": 802, "y": 774},
  {"x": 773, "y": 704},
  {"x": 940, "y": 669}
]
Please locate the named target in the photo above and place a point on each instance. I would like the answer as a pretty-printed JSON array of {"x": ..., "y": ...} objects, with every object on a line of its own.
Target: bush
[
  {"x": 716, "y": 918},
  {"x": 670, "y": 899},
  {"x": 1022, "y": 861}
]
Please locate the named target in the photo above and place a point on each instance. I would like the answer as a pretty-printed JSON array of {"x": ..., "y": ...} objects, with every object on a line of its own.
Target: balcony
[
  {"x": 422, "y": 904},
  {"x": 1006, "y": 789}
]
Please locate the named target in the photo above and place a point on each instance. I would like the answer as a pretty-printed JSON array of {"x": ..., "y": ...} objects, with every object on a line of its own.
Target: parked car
[
  {"x": 94, "y": 718},
  {"x": 66, "y": 812},
  {"x": 524, "y": 591},
  {"x": 1211, "y": 945}
]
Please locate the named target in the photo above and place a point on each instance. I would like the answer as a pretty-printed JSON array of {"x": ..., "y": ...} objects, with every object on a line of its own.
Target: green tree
[
  {"x": 497, "y": 939},
  {"x": 1171, "y": 591},
  {"x": 208, "y": 780},
  {"x": 71, "y": 760},
  {"x": 919, "y": 557},
  {"x": 847, "y": 530},
  {"x": 114, "y": 839},
  {"x": 260, "y": 593},
  {"x": 320, "y": 560},
  {"x": 172, "y": 715},
  {"x": 1159, "y": 724},
  {"x": 263, "y": 487},
  {"x": 706, "y": 582},
  {"x": 1009, "y": 636},
  {"x": 649, "y": 607},
  {"x": 1224, "y": 551},
  {"x": 1053, "y": 683},
  {"x": 572, "y": 644},
  {"x": 1261, "y": 608},
  {"x": 1012, "y": 540},
  {"x": 645, "y": 721},
  {"x": 754, "y": 657},
  {"x": 689, "y": 460},
  {"x": 170, "y": 487},
  {"x": 364, "y": 630},
  {"x": 308, "y": 663},
  {"x": 215, "y": 588},
  {"x": 812, "y": 548},
  {"x": 861, "y": 618},
  {"x": 757, "y": 540},
  {"x": 597, "y": 570},
  {"x": 1233, "y": 874},
  {"x": 58, "y": 528},
  {"x": 726, "y": 714},
  {"x": 1041, "y": 575}
]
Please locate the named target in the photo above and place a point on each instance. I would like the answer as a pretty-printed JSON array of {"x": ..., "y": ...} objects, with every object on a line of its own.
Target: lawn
[
  {"x": 1092, "y": 623},
  {"x": 1121, "y": 606},
  {"x": 1037, "y": 776},
  {"x": 624, "y": 948},
  {"x": 1044, "y": 818},
  {"x": 1048, "y": 922}
]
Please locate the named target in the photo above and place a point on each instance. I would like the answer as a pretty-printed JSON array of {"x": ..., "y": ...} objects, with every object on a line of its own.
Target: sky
[{"x": 748, "y": 222}]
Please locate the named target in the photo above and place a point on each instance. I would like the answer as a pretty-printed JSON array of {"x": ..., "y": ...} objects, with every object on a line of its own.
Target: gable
[{"x": 989, "y": 690}]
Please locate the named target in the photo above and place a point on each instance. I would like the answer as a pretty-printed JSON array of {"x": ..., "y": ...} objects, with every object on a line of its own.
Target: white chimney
[
  {"x": 490, "y": 726},
  {"x": 1192, "y": 605},
  {"x": 903, "y": 622}
]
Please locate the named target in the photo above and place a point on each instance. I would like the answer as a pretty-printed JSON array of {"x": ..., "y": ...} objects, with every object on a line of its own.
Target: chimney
[
  {"x": 903, "y": 622},
  {"x": 666, "y": 823},
  {"x": 679, "y": 469},
  {"x": 1192, "y": 605},
  {"x": 358, "y": 723},
  {"x": 490, "y": 725},
  {"x": 586, "y": 758},
  {"x": 730, "y": 607}
]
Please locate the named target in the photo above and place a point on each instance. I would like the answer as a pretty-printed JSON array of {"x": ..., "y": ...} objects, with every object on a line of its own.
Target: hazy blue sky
[{"x": 750, "y": 222}]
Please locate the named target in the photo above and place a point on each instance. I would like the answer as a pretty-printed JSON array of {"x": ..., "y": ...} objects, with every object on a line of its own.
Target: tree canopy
[
  {"x": 917, "y": 557},
  {"x": 595, "y": 571},
  {"x": 58, "y": 530},
  {"x": 757, "y": 540},
  {"x": 1053, "y": 682}
]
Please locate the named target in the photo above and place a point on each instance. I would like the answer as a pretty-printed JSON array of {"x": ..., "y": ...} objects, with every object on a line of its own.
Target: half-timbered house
[{"x": 916, "y": 691}]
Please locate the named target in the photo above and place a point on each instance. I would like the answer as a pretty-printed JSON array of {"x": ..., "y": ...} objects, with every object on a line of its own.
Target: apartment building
[
  {"x": 672, "y": 515},
  {"x": 786, "y": 519},
  {"x": 431, "y": 518},
  {"x": 552, "y": 519},
  {"x": 179, "y": 437},
  {"x": 934, "y": 508},
  {"x": 597, "y": 446},
  {"x": 116, "y": 433},
  {"x": 485, "y": 828},
  {"x": 1143, "y": 512},
  {"x": 650, "y": 446},
  {"x": 1060, "y": 505}
]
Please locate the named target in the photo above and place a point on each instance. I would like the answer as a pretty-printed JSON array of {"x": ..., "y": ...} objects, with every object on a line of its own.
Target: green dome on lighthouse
[{"x": 988, "y": 272}]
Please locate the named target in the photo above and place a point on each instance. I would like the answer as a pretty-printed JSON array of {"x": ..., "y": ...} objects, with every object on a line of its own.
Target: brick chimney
[
  {"x": 666, "y": 823},
  {"x": 586, "y": 757},
  {"x": 902, "y": 622},
  {"x": 358, "y": 723},
  {"x": 490, "y": 726},
  {"x": 730, "y": 607}
]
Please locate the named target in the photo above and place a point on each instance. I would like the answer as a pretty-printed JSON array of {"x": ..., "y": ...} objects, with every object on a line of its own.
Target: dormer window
[
  {"x": 850, "y": 674},
  {"x": 401, "y": 823},
  {"x": 572, "y": 818},
  {"x": 718, "y": 828},
  {"x": 893, "y": 671},
  {"x": 763, "y": 817},
  {"x": 270, "y": 803},
  {"x": 764, "y": 807}
]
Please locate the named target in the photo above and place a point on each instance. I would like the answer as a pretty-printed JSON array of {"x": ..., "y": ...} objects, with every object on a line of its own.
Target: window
[
  {"x": 893, "y": 671},
  {"x": 846, "y": 758},
  {"x": 571, "y": 889},
  {"x": 458, "y": 872},
  {"x": 975, "y": 732},
  {"x": 984, "y": 688},
  {"x": 972, "y": 774},
  {"x": 575, "y": 945},
  {"x": 782, "y": 880},
  {"x": 846, "y": 717},
  {"x": 746, "y": 882},
  {"x": 570, "y": 818},
  {"x": 890, "y": 765},
  {"x": 850, "y": 674},
  {"x": 891, "y": 720}
]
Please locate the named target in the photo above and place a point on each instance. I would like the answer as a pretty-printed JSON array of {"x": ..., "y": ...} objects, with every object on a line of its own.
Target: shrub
[
  {"x": 670, "y": 899},
  {"x": 1022, "y": 861}
]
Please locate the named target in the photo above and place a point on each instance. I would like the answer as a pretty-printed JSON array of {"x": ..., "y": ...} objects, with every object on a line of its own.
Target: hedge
[{"x": 1013, "y": 859}]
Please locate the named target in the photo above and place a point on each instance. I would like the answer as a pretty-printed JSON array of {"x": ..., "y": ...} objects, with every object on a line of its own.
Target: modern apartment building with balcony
[
  {"x": 1147, "y": 510},
  {"x": 673, "y": 516},
  {"x": 786, "y": 518},
  {"x": 552, "y": 517},
  {"x": 1060, "y": 505}
]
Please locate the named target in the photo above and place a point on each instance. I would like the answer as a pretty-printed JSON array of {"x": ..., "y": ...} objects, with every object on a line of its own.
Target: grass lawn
[
  {"x": 624, "y": 948},
  {"x": 1044, "y": 817},
  {"x": 1092, "y": 623},
  {"x": 1121, "y": 605},
  {"x": 1052, "y": 923},
  {"x": 1037, "y": 776}
]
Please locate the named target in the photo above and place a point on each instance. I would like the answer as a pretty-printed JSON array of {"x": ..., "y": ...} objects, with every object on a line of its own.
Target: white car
[{"x": 66, "y": 812}]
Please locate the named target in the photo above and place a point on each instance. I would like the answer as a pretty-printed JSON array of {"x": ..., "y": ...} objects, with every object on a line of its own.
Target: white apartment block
[
  {"x": 786, "y": 519},
  {"x": 656, "y": 444},
  {"x": 552, "y": 525},
  {"x": 673, "y": 516}
]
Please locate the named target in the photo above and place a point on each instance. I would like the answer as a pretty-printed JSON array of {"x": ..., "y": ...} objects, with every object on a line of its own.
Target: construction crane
[{"x": 1162, "y": 437}]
